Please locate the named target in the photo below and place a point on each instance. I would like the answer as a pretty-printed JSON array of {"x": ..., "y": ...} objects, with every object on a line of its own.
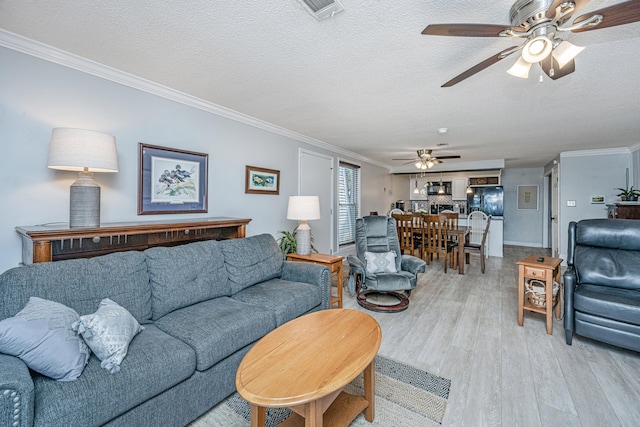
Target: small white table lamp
[
  {"x": 303, "y": 208},
  {"x": 84, "y": 151}
]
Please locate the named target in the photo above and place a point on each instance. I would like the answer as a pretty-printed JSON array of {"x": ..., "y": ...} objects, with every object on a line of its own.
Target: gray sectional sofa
[{"x": 202, "y": 306}]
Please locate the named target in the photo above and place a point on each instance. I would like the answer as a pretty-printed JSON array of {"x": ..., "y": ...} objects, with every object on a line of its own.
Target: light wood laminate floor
[{"x": 465, "y": 328}]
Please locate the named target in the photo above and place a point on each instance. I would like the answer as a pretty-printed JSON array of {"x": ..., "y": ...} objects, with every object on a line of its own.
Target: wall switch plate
[{"x": 571, "y": 203}]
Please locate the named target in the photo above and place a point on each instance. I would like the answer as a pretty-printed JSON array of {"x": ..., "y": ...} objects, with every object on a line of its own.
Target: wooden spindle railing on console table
[{"x": 55, "y": 242}]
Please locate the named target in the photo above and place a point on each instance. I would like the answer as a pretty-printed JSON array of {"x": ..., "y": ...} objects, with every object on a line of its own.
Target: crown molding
[
  {"x": 49, "y": 53},
  {"x": 635, "y": 147},
  {"x": 598, "y": 152}
]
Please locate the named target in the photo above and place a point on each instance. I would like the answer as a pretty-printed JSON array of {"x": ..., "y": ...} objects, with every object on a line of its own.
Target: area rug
[{"x": 405, "y": 396}]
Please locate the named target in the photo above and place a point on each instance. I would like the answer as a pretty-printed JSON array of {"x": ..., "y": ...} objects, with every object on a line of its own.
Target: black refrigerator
[{"x": 487, "y": 199}]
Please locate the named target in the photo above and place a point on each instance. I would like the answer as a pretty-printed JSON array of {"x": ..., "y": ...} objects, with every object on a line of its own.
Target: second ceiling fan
[
  {"x": 426, "y": 160},
  {"x": 539, "y": 23}
]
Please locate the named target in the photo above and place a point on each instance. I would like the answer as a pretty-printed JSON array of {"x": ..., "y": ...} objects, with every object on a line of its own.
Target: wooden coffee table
[{"x": 304, "y": 365}]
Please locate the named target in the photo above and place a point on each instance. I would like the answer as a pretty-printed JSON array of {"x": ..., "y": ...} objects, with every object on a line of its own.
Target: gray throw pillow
[
  {"x": 380, "y": 262},
  {"x": 41, "y": 335},
  {"x": 108, "y": 333}
]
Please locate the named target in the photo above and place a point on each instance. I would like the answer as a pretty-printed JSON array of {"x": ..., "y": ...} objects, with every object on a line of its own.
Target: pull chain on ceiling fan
[{"x": 539, "y": 22}]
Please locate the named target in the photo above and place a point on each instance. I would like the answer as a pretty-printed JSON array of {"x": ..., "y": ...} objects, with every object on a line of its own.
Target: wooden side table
[
  {"x": 335, "y": 266},
  {"x": 547, "y": 270}
]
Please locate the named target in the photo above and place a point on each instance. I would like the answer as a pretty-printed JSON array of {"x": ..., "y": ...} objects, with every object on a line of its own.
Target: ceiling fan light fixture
[
  {"x": 520, "y": 68},
  {"x": 565, "y": 52},
  {"x": 537, "y": 49}
]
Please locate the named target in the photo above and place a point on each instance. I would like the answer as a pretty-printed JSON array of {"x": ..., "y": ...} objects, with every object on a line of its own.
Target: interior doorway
[
  {"x": 316, "y": 179},
  {"x": 554, "y": 194}
]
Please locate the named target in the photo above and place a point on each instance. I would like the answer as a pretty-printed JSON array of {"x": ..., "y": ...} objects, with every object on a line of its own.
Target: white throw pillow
[
  {"x": 108, "y": 333},
  {"x": 380, "y": 262}
]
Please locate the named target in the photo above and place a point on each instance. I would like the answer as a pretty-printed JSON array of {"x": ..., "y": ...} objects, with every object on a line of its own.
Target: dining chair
[
  {"x": 404, "y": 227},
  {"x": 476, "y": 222},
  {"x": 436, "y": 239},
  {"x": 474, "y": 248},
  {"x": 419, "y": 233}
]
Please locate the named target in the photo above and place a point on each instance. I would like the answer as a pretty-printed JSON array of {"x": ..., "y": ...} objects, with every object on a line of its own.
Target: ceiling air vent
[{"x": 322, "y": 9}]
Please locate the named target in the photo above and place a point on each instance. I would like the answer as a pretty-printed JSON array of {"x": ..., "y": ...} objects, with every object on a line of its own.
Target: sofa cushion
[
  {"x": 108, "y": 333},
  {"x": 217, "y": 328},
  {"x": 612, "y": 303},
  {"x": 287, "y": 299},
  {"x": 41, "y": 335},
  {"x": 251, "y": 260},
  {"x": 81, "y": 284},
  {"x": 184, "y": 275},
  {"x": 156, "y": 361}
]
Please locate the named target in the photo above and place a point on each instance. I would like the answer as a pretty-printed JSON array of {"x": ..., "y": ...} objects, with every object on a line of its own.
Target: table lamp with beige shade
[
  {"x": 86, "y": 152},
  {"x": 303, "y": 208}
]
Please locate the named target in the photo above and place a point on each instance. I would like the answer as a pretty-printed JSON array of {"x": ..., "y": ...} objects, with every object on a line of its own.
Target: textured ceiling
[{"x": 366, "y": 79}]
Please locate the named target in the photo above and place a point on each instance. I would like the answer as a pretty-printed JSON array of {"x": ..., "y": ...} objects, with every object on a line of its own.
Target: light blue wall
[
  {"x": 37, "y": 95},
  {"x": 586, "y": 174},
  {"x": 523, "y": 227}
]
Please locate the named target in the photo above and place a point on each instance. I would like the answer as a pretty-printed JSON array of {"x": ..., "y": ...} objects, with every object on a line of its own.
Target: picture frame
[
  {"x": 261, "y": 180},
  {"x": 597, "y": 200},
  {"x": 527, "y": 197},
  {"x": 171, "y": 181}
]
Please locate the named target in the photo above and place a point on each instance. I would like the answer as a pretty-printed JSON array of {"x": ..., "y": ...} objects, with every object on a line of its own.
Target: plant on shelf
[
  {"x": 287, "y": 243},
  {"x": 629, "y": 194}
]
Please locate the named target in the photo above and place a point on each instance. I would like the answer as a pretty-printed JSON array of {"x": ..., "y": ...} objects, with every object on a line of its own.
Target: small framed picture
[
  {"x": 597, "y": 199},
  {"x": 527, "y": 197},
  {"x": 261, "y": 180},
  {"x": 171, "y": 181}
]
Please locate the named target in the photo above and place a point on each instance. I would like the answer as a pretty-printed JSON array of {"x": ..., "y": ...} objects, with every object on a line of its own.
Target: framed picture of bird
[
  {"x": 171, "y": 181},
  {"x": 261, "y": 180}
]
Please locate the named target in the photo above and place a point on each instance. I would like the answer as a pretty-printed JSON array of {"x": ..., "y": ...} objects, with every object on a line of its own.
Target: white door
[
  {"x": 554, "y": 212},
  {"x": 316, "y": 179}
]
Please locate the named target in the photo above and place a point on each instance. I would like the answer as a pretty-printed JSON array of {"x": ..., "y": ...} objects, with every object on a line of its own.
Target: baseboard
[{"x": 529, "y": 244}]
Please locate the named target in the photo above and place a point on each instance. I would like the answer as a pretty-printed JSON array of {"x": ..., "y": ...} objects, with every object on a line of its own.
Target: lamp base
[
  {"x": 303, "y": 238},
  {"x": 84, "y": 202}
]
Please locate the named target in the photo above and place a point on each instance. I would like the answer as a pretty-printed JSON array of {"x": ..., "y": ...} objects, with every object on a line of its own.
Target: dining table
[{"x": 461, "y": 234}]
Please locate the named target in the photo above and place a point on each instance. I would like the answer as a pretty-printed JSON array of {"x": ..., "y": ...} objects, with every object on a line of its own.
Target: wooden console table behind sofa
[{"x": 55, "y": 242}]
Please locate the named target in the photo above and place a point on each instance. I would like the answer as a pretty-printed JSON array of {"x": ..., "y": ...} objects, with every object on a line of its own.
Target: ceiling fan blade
[
  {"x": 551, "y": 12},
  {"x": 479, "y": 67},
  {"x": 618, "y": 14},
  {"x": 447, "y": 157},
  {"x": 413, "y": 160},
  {"x": 551, "y": 68},
  {"x": 468, "y": 30}
]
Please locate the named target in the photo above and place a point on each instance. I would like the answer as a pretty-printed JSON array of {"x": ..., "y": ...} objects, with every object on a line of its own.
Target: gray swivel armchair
[{"x": 380, "y": 268}]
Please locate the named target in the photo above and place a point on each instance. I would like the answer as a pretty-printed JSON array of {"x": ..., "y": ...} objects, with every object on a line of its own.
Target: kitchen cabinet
[
  {"x": 459, "y": 189},
  {"x": 485, "y": 180}
]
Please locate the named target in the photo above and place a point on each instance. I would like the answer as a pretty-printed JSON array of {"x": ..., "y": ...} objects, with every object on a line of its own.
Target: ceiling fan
[
  {"x": 540, "y": 23},
  {"x": 426, "y": 160}
]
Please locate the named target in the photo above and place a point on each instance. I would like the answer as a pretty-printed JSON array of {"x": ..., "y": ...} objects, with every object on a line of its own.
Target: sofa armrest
[
  {"x": 16, "y": 392},
  {"x": 413, "y": 264},
  {"x": 570, "y": 280},
  {"x": 308, "y": 272}
]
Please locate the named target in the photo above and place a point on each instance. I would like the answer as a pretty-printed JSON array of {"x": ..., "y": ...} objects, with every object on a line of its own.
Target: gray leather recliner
[
  {"x": 602, "y": 282},
  {"x": 377, "y": 234}
]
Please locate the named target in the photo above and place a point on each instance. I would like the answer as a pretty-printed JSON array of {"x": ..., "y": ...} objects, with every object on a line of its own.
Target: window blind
[{"x": 348, "y": 202}]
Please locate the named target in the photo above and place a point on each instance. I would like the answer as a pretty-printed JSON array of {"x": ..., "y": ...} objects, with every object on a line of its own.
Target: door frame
[{"x": 301, "y": 152}]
